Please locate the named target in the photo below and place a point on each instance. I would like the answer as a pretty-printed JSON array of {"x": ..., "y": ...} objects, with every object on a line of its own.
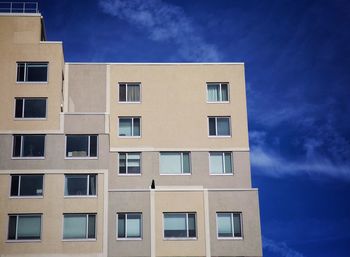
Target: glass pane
[
  {"x": 191, "y": 225},
  {"x": 228, "y": 163},
  {"x": 74, "y": 226},
  {"x": 16, "y": 146},
  {"x": 20, "y": 72},
  {"x": 224, "y": 92},
  {"x": 14, "y": 185},
  {"x": 31, "y": 185},
  {"x": 93, "y": 146},
  {"x": 134, "y": 225},
  {"x": 92, "y": 226},
  {"x": 216, "y": 165},
  {"x": 186, "y": 163},
  {"x": 212, "y": 128},
  {"x": 35, "y": 108},
  {"x": 175, "y": 225},
  {"x": 237, "y": 224},
  {"x": 76, "y": 185},
  {"x": 133, "y": 93},
  {"x": 77, "y": 146},
  {"x": 223, "y": 127},
  {"x": 122, "y": 92},
  {"x": 133, "y": 163},
  {"x": 125, "y": 126},
  {"x": 224, "y": 225},
  {"x": 29, "y": 227},
  {"x": 92, "y": 185},
  {"x": 19, "y": 108},
  {"x": 12, "y": 228},
  {"x": 170, "y": 163},
  {"x": 121, "y": 225},
  {"x": 122, "y": 163},
  {"x": 36, "y": 72},
  {"x": 213, "y": 93},
  {"x": 33, "y": 146},
  {"x": 137, "y": 127}
]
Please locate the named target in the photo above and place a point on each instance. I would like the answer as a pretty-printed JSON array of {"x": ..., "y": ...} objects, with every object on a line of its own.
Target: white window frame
[
  {"x": 216, "y": 127},
  {"x": 19, "y": 186},
  {"x": 220, "y": 101},
  {"x": 223, "y": 161},
  {"x": 23, "y": 107},
  {"x": 181, "y": 159},
  {"x": 132, "y": 126},
  {"x": 22, "y": 215},
  {"x": 87, "y": 228},
  {"x": 232, "y": 224},
  {"x": 88, "y": 151},
  {"x": 21, "y": 150},
  {"x": 25, "y": 73},
  {"x": 87, "y": 185},
  {"x": 126, "y": 164},
  {"x": 187, "y": 230},
  {"x": 126, "y": 227},
  {"x": 126, "y": 93}
]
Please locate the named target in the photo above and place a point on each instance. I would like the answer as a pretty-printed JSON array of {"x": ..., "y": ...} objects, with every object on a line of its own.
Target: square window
[
  {"x": 219, "y": 126},
  {"x": 129, "y": 163},
  {"x": 129, "y": 126},
  {"x": 217, "y": 92},
  {"x": 30, "y": 108},
  {"x": 80, "y": 184},
  {"x": 173, "y": 163},
  {"x": 220, "y": 163},
  {"x": 79, "y": 226},
  {"x": 81, "y": 146},
  {"x": 27, "y": 185},
  {"x": 129, "y": 92},
  {"x": 229, "y": 225},
  {"x": 129, "y": 225},
  {"x": 28, "y": 146},
  {"x": 32, "y": 71},
  {"x": 24, "y": 227},
  {"x": 179, "y": 225}
]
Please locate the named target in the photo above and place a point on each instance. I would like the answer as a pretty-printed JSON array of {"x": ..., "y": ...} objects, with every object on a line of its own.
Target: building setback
[{"x": 120, "y": 159}]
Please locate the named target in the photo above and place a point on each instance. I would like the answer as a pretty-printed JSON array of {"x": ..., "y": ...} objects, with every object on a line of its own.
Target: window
[
  {"x": 28, "y": 146},
  {"x": 81, "y": 146},
  {"x": 220, "y": 163},
  {"x": 129, "y": 127},
  {"x": 30, "y": 108},
  {"x": 217, "y": 92},
  {"x": 32, "y": 71},
  {"x": 129, "y": 163},
  {"x": 129, "y": 225},
  {"x": 24, "y": 227},
  {"x": 175, "y": 163},
  {"x": 79, "y": 226},
  {"x": 129, "y": 92},
  {"x": 179, "y": 225},
  {"x": 229, "y": 225},
  {"x": 80, "y": 184},
  {"x": 219, "y": 126},
  {"x": 26, "y": 185}
]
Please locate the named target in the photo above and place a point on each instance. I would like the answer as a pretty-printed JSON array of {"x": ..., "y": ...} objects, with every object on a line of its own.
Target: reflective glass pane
[
  {"x": 92, "y": 184},
  {"x": 12, "y": 228},
  {"x": 17, "y": 146},
  {"x": 137, "y": 127},
  {"x": 31, "y": 185},
  {"x": 213, "y": 93},
  {"x": 33, "y": 145},
  {"x": 122, "y": 163},
  {"x": 93, "y": 146},
  {"x": 74, "y": 226},
  {"x": 175, "y": 225},
  {"x": 29, "y": 227},
  {"x": 134, "y": 225},
  {"x": 125, "y": 125},
  {"x": 76, "y": 185},
  {"x": 122, "y": 92},
  {"x": 224, "y": 225},
  {"x": 121, "y": 225},
  {"x": 191, "y": 225},
  {"x": 14, "y": 185},
  {"x": 133, "y": 93},
  {"x": 223, "y": 126},
  {"x": 216, "y": 164},
  {"x": 19, "y": 108},
  {"x": 224, "y": 92},
  {"x": 237, "y": 224},
  {"x": 228, "y": 163},
  {"x": 186, "y": 163},
  {"x": 34, "y": 108},
  {"x": 212, "y": 127},
  {"x": 20, "y": 72},
  {"x": 77, "y": 146},
  {"x": 36, "y": 72},
  {"x": 92, "y": 226},
  {"x": 134, "y": 163},
  {"x": 170, "y": 163}
]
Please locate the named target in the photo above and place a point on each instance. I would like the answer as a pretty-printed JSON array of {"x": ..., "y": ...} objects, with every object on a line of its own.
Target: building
[{"x": 120, "y": 159}]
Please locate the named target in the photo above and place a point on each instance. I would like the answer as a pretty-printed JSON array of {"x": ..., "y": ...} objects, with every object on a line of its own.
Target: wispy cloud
[
  {"x": 166, "y": 23},
  {"x": 280, "y": 249}
]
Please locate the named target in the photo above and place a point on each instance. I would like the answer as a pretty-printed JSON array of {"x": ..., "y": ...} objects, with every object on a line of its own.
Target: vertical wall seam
[
  {"x": 105, "y": 214},
  {"x": 152, "y": 225},
  {"x": 207, "y": 224},
  {"x": 65, "y": 89}
]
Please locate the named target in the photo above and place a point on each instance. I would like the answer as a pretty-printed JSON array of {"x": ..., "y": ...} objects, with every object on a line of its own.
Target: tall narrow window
[
  {"x": 79, "y": 226},
  {"x": 129, "y": 92},
  {"x": 81, "y": 146},
  {"x": 129, "y": 163},
  {"x": 129, "y": 126},
  {"x": 219, "y": 126},
  {"x": 80, "y": 184},
  {"x": 175, "y": 163},
  {"x": 30, "y": 108},
  {"x": 32, "y": 71},
  {"x": 129, "y": 225},
  {"x": 220, "y": 162},
  {"x": 179, "y": 225},
  {"x": 217, "y": 92},
  {"x": 24, "y": 227},
  {"x": 30, "y": 146},
  {"x": 229, "y": 224},
  {"x": 27, "y": 185}
]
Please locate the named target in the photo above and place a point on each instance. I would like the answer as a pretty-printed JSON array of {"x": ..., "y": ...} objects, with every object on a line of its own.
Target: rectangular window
[
  {"x": 220, "y": 162},
  {"x": 129, "y": 92},
  {"x": 129, "y": 163},
  {"x": 175, "y": 163},
  {"x": 24, "y": 227},
  {"x": 129, "y": 126},
  {"x": 219, "y": 126},
  {"x": 81, "y": 146},
  {"x": 217, "y": 92},
  {"x": 32, "y": 71},
  {"x": 129, "y": 225},
  {"x": 80, "y": 184},
  {"x": 179, "y": 225},
  {"x": 79, "y": 226},
  {"x": 229, "y": 224},
  {"x": 28, "y": 146},
  {"x": 30, "y": 108},
  {"x": 26, "y": 185}
]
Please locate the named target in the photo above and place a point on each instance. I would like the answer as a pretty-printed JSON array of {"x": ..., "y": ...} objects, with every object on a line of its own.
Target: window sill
[
  {"x": 129, "y": 175},
  {"x": 129, "y": 239},
  {"x": 80, "y": 196},
  {"x": 229, "y": 238},
  {"x": 29, "y": 119},
  {"x": 119, "y": 102},
  {"x": 180, "y": 239},
  {"x": 80, "y": 240},
  {"x": 172, "y": 174},
  {"x": 81, "y": 158},
  {"x": 130, "y": 137},
  {"x": 28, "y": 158},
  {"x": 32, "y": 82},
  {"x": 228, "y": 136},
  {"x": 219, "y": 174},
  {"x": 27, "y": 197},
  {"x": 24, "y": 241},
  {"x": 219, "y": 102}
]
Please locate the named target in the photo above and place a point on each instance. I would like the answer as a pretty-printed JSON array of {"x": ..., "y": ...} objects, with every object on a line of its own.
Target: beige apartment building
[{"x": 120, "y": 159}]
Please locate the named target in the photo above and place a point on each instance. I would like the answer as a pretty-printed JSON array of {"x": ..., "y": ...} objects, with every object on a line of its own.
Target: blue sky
[{"x": 297, "y": 57}]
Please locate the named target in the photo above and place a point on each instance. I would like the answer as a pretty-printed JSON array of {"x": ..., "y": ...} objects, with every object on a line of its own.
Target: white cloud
[
  {"x": 164, "y": 22},
  {"x": 281, "y": 249}
]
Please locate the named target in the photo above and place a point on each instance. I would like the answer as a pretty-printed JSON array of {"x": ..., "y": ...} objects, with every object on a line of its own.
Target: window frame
[
  {"x": 126, "y": 92},
  {"x": 87, "y": 228},
  {"x": 23, "y": 108},
  {"x": 187, "y": 230},
  {"x": 216, "y": 127},
  {"x": 232, "y": 225},
  {"x": 88, "y": 150},
  {"x": 223, "y": 160},
  {"x": 18, "y": 196},
  {"x": 87, "y": 185},
  {"x": 126, "y": 164},
  {"x": 17, "y": 215},
  {"x": 182, "y": 166},
  {"x": 21, "y": 157},
  {"x": 220, "y": 90},
  {"x": 132, "y": 126},
  {"x": 129, "y": 238},
  {"x": 25, "y": 72}
]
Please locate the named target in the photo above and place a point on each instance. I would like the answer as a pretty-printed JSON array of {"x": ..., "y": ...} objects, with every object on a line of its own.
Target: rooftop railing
[{"x": 19, "y": 7}]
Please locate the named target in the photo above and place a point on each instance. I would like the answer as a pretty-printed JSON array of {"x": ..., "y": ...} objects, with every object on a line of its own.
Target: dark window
[
  {"x": 79, "y": 226},
  {"x": 129, "y": 127},
  {"x": 179, "y": 225},
  {"x": 219, "y": 126},
  {"x": 80, "y": 184},
  {"x": 26, "y": 185},
  {"x": 24, "y": 227},
  {"x": 32, "y": 72},
  {"x": 30, "y": 108},
  {"x": 129, "y": 163},
  {"x": 28, "y": 145},
  {"x": 217, "y": 92},
  {"x": 129, "y": 92},
  {"x": 81, "y": 146},
  {"x": 229, "y": 224},
  {"x": 129, "y": 225}
]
